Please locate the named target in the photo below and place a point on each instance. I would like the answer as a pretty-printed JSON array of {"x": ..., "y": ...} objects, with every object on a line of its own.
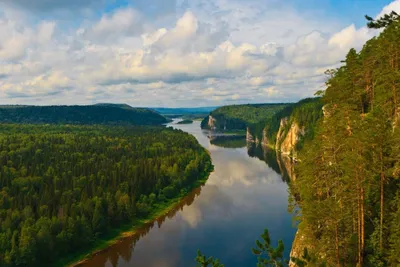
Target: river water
[{"x": 245, "y": 194}]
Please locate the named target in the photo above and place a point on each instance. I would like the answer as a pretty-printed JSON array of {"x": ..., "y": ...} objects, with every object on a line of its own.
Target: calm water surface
[{"x": 245, "y": 194}]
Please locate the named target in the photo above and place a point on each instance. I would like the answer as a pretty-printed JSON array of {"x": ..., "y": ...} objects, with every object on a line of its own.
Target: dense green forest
[
  {"x": 348, "y": 180},
  {"x": 305, "y": 113},
  {"x": 63, "y": 187},
  {"x": 238, "y": 117},
  {"x": 96, "y": 114}
]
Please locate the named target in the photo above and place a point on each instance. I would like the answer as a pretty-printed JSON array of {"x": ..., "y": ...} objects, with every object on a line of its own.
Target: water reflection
[
  {"x": 124, "y": 248},
  {"x": 243, "y": 195},
  {"x": 228, "y": 141},
  {"x": 279, "y": 163}
]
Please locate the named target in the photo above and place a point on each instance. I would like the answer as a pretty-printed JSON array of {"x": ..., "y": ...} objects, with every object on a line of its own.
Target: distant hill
[
  {"x": 184, "y": 111},
  {"x": 238, "y": 117},
  {"x": 114, "y": 105},
  {"x": 120, "y": 114}
]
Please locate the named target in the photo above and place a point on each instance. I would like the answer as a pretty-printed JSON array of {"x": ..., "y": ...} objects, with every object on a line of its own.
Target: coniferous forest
[
  {"x": 238, "y": 117},
  {"x": 62, "y": 187},
  {"x": 347, "y": 183},
  {"x": 348, "y": 179},
  {"x": 110, "y": 114}
]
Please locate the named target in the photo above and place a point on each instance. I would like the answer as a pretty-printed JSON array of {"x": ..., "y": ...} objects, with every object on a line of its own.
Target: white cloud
[
  {"x": 14, "y": 39},
  {"x": 317, "y": 49},
  {"x": 394, "y": 6},
  {"x": 122, "y": 23},
  {"x": 150, "y": 38},
  {"x": 351, "y": 37},
  {"x": 212, "y": 52},
  {"x": 235, "y": 97},
  {"x": 45, "y": 32},
  {"x": 208, "y": 91},
  {"x": 271, "y": 91}
]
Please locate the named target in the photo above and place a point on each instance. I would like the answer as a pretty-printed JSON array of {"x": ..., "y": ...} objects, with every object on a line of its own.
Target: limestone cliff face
[
  {"x": 292, "y": 138},
  {"x": 299, "y": 243},
  {"x": 211, "y": 122},
  {"x": 279, "y": 135},
  {"x": 250, "y": 138},
  {"x": 287, "y": 143},
  {"x": 264, "y": 140}
]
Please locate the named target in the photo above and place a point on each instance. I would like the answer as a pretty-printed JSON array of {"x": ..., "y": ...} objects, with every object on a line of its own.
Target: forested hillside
[
  {"x": 63, "y": 187},
  {"x": 304, "y": 114},
  {"x": 95, "y": 114},
  {"x": 348, "y": 179},
  {"x": 238, "y": 117}
]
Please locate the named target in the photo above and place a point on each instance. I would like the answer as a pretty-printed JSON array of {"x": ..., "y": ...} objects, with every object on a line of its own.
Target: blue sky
[
  {"x": 348, "y": 11},
  {"x": 175, "y": 53}
]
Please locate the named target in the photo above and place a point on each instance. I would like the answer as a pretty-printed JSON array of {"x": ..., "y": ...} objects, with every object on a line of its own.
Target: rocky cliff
[
  {"x": 286, "y": 133},
  {"x": 299, "y": 244},
  {"x": 249, "y": 136},
  {"x": 211, "y": 123},
  {"x": 251, "y": 139},
  {"x": 265, "y": 140},
  {"x": 288, "y": 136}
]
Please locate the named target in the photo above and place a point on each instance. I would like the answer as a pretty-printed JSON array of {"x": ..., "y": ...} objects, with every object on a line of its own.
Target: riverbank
[{"x": 116, "y": 234}]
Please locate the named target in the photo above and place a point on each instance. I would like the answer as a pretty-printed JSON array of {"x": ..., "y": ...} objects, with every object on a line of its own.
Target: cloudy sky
[{"x": 175, "y": 53}]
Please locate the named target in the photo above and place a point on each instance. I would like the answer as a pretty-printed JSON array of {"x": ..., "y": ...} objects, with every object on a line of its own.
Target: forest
[
  {"x": 348, "y": 180},
  {"x": 238, "y": 117},
  {"x": 305, "y": 113},
  {"x": 64, "y": 186},
  {"x": 111, "y": 114},
  {"x": 347, "y": 186}
]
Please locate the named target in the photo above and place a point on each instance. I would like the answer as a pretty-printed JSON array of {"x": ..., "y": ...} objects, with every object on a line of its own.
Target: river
[{"x": 245, "y": 194}]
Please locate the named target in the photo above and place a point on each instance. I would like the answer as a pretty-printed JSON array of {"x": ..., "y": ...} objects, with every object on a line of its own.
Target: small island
[{"x": 185, "y": 122}]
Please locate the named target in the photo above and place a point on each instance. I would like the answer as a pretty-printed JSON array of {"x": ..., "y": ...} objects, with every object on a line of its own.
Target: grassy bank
[{"x": 115, "y": 234}]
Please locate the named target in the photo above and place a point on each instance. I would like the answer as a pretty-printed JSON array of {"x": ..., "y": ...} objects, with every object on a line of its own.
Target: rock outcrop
[
  {"x": 293, "y": 136},
  {"x": 279, "y": 135},
  {"x": 249, "y": 137},
  {"x": 299, "y": 243},
  {"x": 287, "y": 137},
  {"x": 286, "y": 141},
  {"x": 264, "y": 140},
  {"x": 211, "y": 122}
]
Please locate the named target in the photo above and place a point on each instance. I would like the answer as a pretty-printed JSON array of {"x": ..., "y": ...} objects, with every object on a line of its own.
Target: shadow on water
[
  {"x": 228, "y": 141},
  {"x": 125, "y": 247},
  {"x": 246, "y": 193},
  {"x": 279, "y": 163}
]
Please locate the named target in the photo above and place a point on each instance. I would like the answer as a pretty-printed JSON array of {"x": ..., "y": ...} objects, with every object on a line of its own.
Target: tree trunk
[
  {"x": 362, "y": 225},
  {"x": 359, "y": 220},
  {"x": 337, "y": 244},
  {"x": 382, "y": 202}
]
